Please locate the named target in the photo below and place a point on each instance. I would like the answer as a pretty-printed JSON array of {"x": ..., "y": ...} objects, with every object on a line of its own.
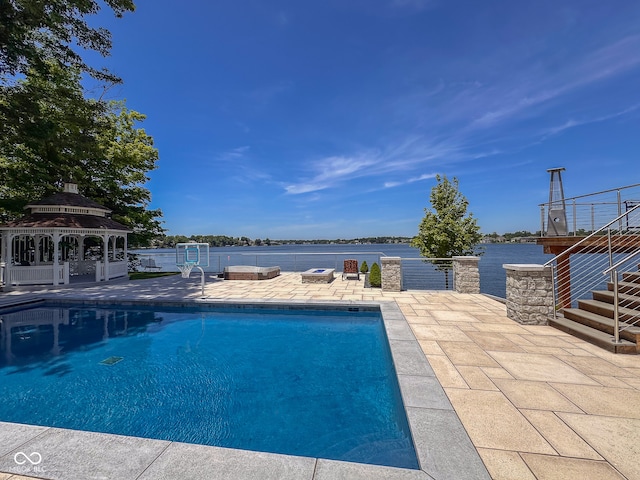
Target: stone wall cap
[
  {"x": 472, "y": 258},
  {"x": 525, "y": 267}
]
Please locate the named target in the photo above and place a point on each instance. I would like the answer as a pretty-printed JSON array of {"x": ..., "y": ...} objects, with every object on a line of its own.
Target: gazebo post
[
  {"x": 5, "y": 256},
  {"x": 56, "y": 252},
  {"x": 126, "y": 254},
  {"x": 105, "y": 256}
]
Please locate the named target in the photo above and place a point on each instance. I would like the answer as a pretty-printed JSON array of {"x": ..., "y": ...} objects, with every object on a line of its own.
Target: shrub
[
  {"x": 133, "y": 262},
  {"x": 375, "y": 278},
  {"x": 364, "y": 268}
]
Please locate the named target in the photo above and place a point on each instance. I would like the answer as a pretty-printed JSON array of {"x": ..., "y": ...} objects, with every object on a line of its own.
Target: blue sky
[{"x": 329, "y": 119}]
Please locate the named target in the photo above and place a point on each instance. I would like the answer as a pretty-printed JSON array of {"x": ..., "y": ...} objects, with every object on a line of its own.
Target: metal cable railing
[
  {"x": 578, "y": 270},
  {"x": 626, "y": 295},
  {"x": 288, "y": 262},
  {"x": 586, "y": 212},
  {"x": 427, "y": 273}
]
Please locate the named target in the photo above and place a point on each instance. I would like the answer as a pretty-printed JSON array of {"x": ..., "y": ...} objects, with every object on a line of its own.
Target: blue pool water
[{"x": 313, "y": 383}]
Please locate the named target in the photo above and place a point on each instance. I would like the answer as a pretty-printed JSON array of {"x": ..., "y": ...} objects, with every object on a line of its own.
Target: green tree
[
  {"x": 447, "y": 230},
  {"x": 49, "y": 133},
  {"x": 33, "y": 32}
]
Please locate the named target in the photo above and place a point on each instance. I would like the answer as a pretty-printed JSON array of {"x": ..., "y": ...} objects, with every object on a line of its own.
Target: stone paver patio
[{"x": 536, "y": 402}]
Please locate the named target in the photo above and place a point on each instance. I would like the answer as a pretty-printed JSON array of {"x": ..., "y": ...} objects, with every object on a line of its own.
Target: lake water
[{"x": 416, "y": 273}]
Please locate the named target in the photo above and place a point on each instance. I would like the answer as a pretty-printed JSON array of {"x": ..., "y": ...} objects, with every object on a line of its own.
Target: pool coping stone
[{"x": 442, "y": 445}]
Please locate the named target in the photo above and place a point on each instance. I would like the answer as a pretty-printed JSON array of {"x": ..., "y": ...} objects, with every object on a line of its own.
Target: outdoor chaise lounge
[{"x": 350, "y": 268}]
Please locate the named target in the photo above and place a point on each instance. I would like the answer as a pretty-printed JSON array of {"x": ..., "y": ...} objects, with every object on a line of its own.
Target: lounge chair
[
  {"x": 350, "y": 268},
  {"x": 149, "y": 264}
]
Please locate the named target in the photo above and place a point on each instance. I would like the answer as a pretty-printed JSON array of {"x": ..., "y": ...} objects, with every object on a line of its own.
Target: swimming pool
[{"x": 305, "y": 382}]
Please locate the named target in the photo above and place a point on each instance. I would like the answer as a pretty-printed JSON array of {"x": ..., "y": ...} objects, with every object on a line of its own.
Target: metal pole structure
[
  {"x": 616, "y": 310},
  {"x": 201, "y": 279},
  {"x": 575, "y": 219},
  {"x": 619, "y": 213},
  {"x": 553, "y": 291},
  {"x": 610, "y": 249},
  {"x": 542, "y": 231}
]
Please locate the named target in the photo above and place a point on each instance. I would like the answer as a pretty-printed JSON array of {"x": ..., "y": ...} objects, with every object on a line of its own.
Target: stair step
[
  {"x": 606, "y": 310},
  {"x": 626, "y": 287},
  {"x": 625, "y": 299},
  {"x": 591, "y": 335},
  {"x": 632, "y": 277},
  {"x": 602, "y": 323}
]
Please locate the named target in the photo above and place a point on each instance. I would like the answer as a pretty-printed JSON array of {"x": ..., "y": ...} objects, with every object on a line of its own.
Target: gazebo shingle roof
[
  {"x": 69, "y": 199},
  {"x": 64, "y": 220}
]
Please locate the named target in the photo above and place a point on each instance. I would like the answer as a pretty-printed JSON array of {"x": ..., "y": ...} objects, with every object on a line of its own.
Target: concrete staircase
[{"x": 593, "y": 319}]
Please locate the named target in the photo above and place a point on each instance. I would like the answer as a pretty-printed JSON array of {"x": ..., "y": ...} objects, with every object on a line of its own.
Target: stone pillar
[
  {"x": 391, "y": 274},
  {"x": 466, "y": 276},
  {"x": 529, "y": 293}
]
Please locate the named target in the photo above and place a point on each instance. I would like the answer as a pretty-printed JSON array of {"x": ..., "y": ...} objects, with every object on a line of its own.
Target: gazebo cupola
[{"x": 62, "y": 236}]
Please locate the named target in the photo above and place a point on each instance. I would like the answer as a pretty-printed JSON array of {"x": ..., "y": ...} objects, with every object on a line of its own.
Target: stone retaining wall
[{"x": 529, "y": 293}]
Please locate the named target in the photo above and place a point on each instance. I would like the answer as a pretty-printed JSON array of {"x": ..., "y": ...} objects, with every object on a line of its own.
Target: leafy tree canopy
[
  {"x": 33, "y": 32},
  {"x": 50, "y": 133},
  {"x": 447, "y": 230}
]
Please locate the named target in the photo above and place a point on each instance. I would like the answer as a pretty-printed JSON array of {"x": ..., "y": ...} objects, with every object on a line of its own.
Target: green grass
[{"x": 144, "y": 275}]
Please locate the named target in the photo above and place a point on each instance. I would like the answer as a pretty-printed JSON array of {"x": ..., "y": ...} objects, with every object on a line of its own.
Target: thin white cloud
[
  {"x": 233, "y": 154},
  {"x": 425, "y": 176},
  {"x": 406, "y": 155},
  {"x": 571, "y": 123},
  {"x": 507, "y": 100},
  {"x": 332, "y": 170}
]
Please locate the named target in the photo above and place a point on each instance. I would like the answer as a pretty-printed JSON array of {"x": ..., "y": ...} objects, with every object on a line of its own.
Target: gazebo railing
[{"x": 37, "y": 275}]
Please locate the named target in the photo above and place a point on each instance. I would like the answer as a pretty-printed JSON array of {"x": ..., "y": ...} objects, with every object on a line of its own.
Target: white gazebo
[{"x": 64, "y": 236}]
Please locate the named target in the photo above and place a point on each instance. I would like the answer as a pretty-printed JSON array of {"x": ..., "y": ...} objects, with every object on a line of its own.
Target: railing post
[
  {"x": 553, "y": 291},
  {"x": 610, "y": 251},
  {"x": 619, "y": 212},
  {"x": 542, "y": 231},
  {"x": 575, "y": 219},
  {"x": 616, "y": 308}
]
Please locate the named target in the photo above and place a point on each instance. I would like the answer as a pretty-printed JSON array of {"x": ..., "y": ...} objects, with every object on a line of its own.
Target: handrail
[
  {"x": 617, "y": 219},
  {"x": 621, "y": 262},
  {"x": 595, "y": 193}
]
